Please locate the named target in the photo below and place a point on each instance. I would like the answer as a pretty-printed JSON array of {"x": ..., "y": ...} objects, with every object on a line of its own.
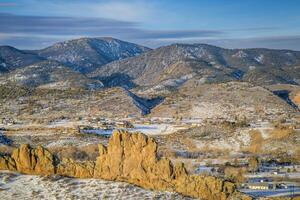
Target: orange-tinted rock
[
  {"x": 7, "y": 163},
  {"x": 33, "y": 161},
  {"x": 205, "y": 187},
  {"x": 296, "y": 99},
  {"x": 70, "y": 168},
  {"x": 132, "y": 157},
  {"x": 129, "y": 157}
]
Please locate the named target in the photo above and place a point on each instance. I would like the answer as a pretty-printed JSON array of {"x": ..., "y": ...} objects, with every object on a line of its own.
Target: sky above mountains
[{"x": 31, "y": 24}]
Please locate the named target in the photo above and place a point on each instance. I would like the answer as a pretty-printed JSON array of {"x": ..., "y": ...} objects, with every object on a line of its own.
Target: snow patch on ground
[
  {"x": 3, "y": 65},
  {"x": 240, "y": 54},
  {"x": 259, "y": 58},
  {"x": 148, "y": 129},
  {"x": 156, "y": 129},
  {"x": 206, "y": 110},
  {"x": 252, "y": 67},
  {"x": 177, "y": 82},
  {"x": 23, "y": 187}
]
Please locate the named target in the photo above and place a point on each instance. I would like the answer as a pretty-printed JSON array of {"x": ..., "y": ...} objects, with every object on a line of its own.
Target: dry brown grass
[
  {"x": 256, "y": 142},
  {"x": 89, "y": 152},
  {"x": 190, "y": 166},
  {"x": 296, "y": 154},
  {"x": 215, "y": 151},
  {"x": 235, "y": 174},
  {"x": 6, "y": 150},
  {"x": 281, "y": 132},
  {"x": 39, "y": 128},
  {"x": 167, "y": 152},
  {"x": 189, "y": 144},
  {"x": 92, "y": 150}
]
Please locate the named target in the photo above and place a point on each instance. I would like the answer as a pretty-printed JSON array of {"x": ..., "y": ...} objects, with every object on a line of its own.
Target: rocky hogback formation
[{"x": 129, "y": 157}]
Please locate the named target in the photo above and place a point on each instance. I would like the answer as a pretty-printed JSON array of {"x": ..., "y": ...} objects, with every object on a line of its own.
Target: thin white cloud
[
  {"x": 272, "y": 42},
  {"x": 120, "y": 10},
  {"x": 123, "y": 10},
  {"x": 58, "y": 26}
]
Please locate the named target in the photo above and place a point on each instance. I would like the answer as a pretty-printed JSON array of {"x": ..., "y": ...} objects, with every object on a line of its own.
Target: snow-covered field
[
  {"x": 151, "y": 129},
  {"x": 14, "y": 186},
  {"x": 156, "y": 129}
]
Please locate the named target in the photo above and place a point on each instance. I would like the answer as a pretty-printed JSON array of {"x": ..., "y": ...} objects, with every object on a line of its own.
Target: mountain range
[
  {"x": 172, "y": 65},
  {"x": 49, "y": 74},
  {"x": 119, "y": 63},
  {"x": 96, "y": 63},
  {"x": 86, "y": 54},
  {"x": 12, "y": 58}
]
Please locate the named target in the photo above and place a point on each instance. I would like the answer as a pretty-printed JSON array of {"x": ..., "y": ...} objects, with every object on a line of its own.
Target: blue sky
[{"x": 31, "y": 24}]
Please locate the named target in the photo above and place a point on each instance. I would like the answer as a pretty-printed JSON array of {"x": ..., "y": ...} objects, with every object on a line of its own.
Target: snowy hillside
[
  {"x": 12, "y": 58},
  {"x": 86, "y": 54}
]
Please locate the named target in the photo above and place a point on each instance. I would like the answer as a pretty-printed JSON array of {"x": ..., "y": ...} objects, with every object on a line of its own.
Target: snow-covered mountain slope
[
  {"x": 12, "y": 58},
  {"x": 49, "y": 74},
  {"x": 86, "y": 54},
  {"x": 223, "y": 101},
  {"x": 209, "y": 63}
]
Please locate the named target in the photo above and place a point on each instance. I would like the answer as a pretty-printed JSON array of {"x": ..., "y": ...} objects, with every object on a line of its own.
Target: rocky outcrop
[
  {"x": 7, "y": 163},
  {"x": 129, "y": 157},
  {"x": 296, "y": 99},
  {"x": 33, "y": 161},
  {"x": 132, "y": 158},
  {"x": 68, "y": 167},
  {"x": 206, "y": 187}
]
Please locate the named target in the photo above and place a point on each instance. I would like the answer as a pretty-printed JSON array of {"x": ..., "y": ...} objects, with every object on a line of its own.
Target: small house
[{"x": 261, "y": 186}]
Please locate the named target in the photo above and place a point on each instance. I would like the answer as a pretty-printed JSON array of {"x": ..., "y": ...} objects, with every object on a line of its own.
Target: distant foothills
[{"x": 94, "y": 63}]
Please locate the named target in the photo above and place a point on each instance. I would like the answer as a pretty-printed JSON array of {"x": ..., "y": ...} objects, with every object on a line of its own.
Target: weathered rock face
[
  {"x": 68, "y": 167},
  {"x": 33, "y": 161},
  {"x": 129, "y": 157},
  {"x": 7, "y": 163},
  {"x": 204, "y": 186},
  {"x": 132, "y": 158}
]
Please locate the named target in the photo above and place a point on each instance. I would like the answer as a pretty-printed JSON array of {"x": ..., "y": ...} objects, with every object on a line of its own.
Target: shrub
[
  {"x": 234, "y": 174},
  {"x": 253, "y": 164},
  {"x": 281, "y": 132},
  {"x": 256, "y": 142}
]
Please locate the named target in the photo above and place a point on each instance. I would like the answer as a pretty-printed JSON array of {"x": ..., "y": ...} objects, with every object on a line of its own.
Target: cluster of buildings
[{"x": 264, "y": 184}]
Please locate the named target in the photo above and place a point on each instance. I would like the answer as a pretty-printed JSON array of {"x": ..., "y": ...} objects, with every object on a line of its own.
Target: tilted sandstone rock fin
[
  {"x": 132, "y": 158},
  {"x": 68, "y": 167},
  {"x": 33, "y": 161},
  {"x": 129, "y": 157},
  {"x": 7, "y": 163}
]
